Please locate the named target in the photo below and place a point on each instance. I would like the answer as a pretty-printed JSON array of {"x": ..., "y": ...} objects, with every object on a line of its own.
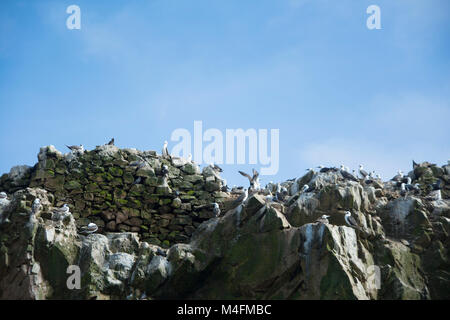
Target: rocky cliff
[{"x": 158, "y": 241}]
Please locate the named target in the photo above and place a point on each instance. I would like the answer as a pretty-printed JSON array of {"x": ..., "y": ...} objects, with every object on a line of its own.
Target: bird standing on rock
[
  {"x": 323, "y": 219},
  {"x": 362, "y": 172},
  {"x": 398, "y": 177},
  {"x": 36, "y": 206},
  {"x": 111, "y": 142},
  {"x": 61, "y": 213},
  {"x": 79, "y": 148},
  {"x": 90, "y": 228},
  {"x": 242, "y": 198},
  {"x": 254, "y": 180},
  {"x": 216, "y": 209},
  {"x": 351, "y": 222},
  {"x": 165, "y": 151}
]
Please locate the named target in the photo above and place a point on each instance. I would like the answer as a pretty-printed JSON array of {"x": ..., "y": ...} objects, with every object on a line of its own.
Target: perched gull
[
  {"x": 254, "y": 180},
  {"x": 165, "y": 175},
  {"x": 79, "y": 148},
  {"x": 348, "y": 175},
  {"x": 90, "y": 228},
  {"x": 3, "y": 195},
  {"x": 216, "y": 168},
  {"x": 242, "y": 198},
  {"x": 216, "y": 209},
  {"x": 111, "y": 142},
  {"x": 61, "y": 213},
  {"x": 64, "y": 209},
  {"x": 165, "y": 152},
  {"x": 326, "y": 169},
  {"x": 305, "y": 188},
  {"x": 165, "y": 170},
  {"x": 323, "y": 219},
  {"x": 35, "y": 206},
  {"x": 138, "y": 163},
  {"x": 362, "y": 172},
  {"x": 270, "y": 198},
  {"x": 403, "y": 191},
  {"x": 398, "y": 177},
  {"x": 189, "y": 158},
  {"x": 350, "y": 220}
]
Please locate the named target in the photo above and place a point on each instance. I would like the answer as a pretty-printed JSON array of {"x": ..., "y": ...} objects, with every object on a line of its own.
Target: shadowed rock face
[{"x": 264, "y": 251}]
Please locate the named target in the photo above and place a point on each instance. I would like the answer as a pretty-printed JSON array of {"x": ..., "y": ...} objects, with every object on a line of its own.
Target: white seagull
[
  {"x": 165, "y": 152},
  {"x": 323, "y": 219},
  {"x": 90, "y": 228},
  {"x": 350, "y": 220},
  {"x": 216, "y": 209},
  {"x": 36, "y": 206},
  {"x": 362, "y": 172},
  {"x": 242, "y": 198}
]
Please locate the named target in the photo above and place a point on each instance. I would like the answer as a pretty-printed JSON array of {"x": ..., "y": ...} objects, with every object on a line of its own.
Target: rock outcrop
[
  {"x": 263, "y": 250},
  {"x": 122, "y": 190}
]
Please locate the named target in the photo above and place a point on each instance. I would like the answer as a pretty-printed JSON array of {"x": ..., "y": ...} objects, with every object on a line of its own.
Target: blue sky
[{"x": 137, "y": 70}]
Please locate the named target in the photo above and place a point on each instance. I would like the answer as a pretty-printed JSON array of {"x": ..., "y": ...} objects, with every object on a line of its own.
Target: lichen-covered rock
[{"x": 166, "y": 242}]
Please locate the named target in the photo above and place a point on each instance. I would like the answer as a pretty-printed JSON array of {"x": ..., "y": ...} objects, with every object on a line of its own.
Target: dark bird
[
  {"x": 348, "y": 175},
  {"x": 412, "y": 187},
  {"x": 216, "y": 167},
  {"x": 326, "y": 169},
  {"x": 111, "y": 142},
  {"x": 161, "y": 252}
]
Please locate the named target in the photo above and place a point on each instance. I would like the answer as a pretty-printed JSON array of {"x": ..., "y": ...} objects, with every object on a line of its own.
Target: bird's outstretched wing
[
  {"x": 245, "y": 175},
  {"x": 255, "y": 174}
]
